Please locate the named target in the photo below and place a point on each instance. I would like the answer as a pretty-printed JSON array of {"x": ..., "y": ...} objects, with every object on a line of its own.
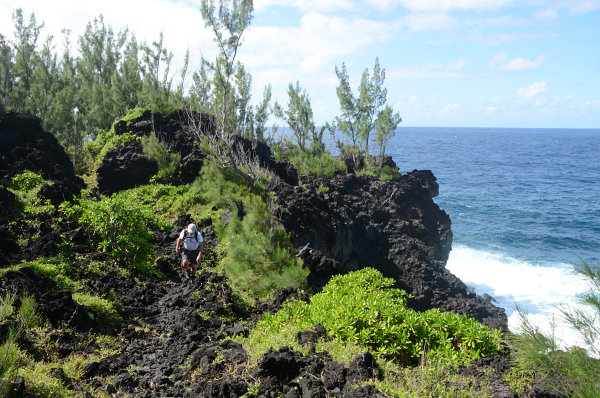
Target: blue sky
[{"x": 492, "y": 63}]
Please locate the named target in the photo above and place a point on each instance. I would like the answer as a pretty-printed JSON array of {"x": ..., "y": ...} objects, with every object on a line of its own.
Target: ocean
[{"x": 524, "y": 205}]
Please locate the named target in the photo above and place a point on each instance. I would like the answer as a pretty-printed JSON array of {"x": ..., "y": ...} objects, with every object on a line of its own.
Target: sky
[{"x": 462, "y": 63}]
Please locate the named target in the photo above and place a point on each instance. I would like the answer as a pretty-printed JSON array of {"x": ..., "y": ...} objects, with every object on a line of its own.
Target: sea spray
[{"x": 537, "y": 289}]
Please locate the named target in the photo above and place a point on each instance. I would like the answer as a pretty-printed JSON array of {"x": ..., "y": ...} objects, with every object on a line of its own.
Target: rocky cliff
[{"x": 338, "y": 225}]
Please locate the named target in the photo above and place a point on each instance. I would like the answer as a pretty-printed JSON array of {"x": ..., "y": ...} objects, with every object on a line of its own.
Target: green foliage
[
  {"x": 362, "y": 114},
  {"x": 6, "y": 306},
  {"x": 257, "y": 253},
  {"x": 361, "y": 307},
  {"x": 319, "y": 164},
  {"x": 26, "y": 181},
  {"x": 385, "y": 173},
  {"x": 432, "y": 378},
  {"x": 155, "y": 150},
  {"x": 106, "y": 310},
  {"x": 119, "y": 227},
  {"x": 27, "y": 314},
  {"x": 540, "y": 352},
  {"x": 385, "y": 129},
  {"x": 299, "y": 118},
  {"x": 105, "y": 142},
  {"x": 54, "y": 268},
  {"x": 11, "y": 357}
]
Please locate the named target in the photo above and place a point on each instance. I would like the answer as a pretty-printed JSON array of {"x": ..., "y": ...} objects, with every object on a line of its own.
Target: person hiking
[{"x": 191, "y": 253}]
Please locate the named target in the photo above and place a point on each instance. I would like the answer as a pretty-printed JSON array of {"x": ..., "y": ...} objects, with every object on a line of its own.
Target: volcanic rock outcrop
[
  {"x": 126, "y": 166},
  {"x": 26, "y": 146},
  {"x": 350, "y": 222}
]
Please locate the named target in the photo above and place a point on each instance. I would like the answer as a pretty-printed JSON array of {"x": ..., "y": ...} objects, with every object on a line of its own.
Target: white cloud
[
  {"x": 458, "y": 65},
  {"x": 318, "y": 40},
  {"x": 450, "y": 107},
  {"x": 306, "y": 5},
  {"x": 533, "y": 90},
  {"x": 428, "y": 21},
  {"x": 498, "y": 58},
  {"x": 383, "y": 4},
  {"x": 547, "y": 14},
  {"x": 447, "y": 5},
  {"x": 516, "y": 64},
  {"x": 593, "y": 106},
  {"x": 581, "y": 6},
  {"x": 151, "y": 17},
  {"x": 429, "y": 71},
  {"x": 491, "y": 109}
]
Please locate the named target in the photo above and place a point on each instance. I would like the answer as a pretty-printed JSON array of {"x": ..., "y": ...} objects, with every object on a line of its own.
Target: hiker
[{"x": 193, "y": 244}]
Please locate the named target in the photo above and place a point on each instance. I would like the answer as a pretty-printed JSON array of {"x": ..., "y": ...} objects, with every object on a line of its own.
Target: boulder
[{"x": 26, "y": 146}]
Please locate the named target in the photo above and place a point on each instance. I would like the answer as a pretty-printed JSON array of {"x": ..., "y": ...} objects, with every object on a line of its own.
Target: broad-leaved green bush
[
  {"x": 362, "y": 307},
  {"x": 26, "y": 186},
  {"x": 25, "y": 181},
  {"x": 120, "y": 227}
]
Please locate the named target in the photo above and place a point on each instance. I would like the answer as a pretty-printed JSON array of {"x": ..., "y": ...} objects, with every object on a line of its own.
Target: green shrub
[
  {"x": 120, "y": 227},
  {"x": 26, "y": 186},
  {"x": 361, "y": 307},
  {"x": 155, "y": 150},
  {"x": 257, "y": 253},
  {"x": 105, "y": 142},
  {"x": 26, "y": 181},
  {"x": 320, "y": 165},
  {"x": 385, "y": 173}
]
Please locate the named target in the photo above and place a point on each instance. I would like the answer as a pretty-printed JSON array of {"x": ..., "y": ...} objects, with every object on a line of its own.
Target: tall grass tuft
[{"x": 574, "y": 372}]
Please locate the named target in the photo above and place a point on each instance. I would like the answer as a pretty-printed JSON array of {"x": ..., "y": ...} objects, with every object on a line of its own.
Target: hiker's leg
[{"x": 193, "y": 266}]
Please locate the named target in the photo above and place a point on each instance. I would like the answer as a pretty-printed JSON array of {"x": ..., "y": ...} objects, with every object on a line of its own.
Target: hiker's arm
[{"x": 177, "y": 245}]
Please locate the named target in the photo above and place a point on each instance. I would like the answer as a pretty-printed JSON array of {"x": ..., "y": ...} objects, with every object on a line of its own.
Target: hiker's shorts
[{"x": 190, "y": 255}]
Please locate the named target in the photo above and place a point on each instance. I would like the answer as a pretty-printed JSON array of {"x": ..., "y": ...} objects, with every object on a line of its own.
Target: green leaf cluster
[
  {"x": 119, "y": 227},
  {"x": 26, "y": 181},
  {"x": 362, "y": 307}
]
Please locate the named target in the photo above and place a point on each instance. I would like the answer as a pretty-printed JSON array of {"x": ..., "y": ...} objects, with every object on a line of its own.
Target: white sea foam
[{"x": 538, "y": 289}]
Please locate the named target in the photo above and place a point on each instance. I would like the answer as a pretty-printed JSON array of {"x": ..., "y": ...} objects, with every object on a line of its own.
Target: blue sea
[{"x": 524, "y": 205}]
